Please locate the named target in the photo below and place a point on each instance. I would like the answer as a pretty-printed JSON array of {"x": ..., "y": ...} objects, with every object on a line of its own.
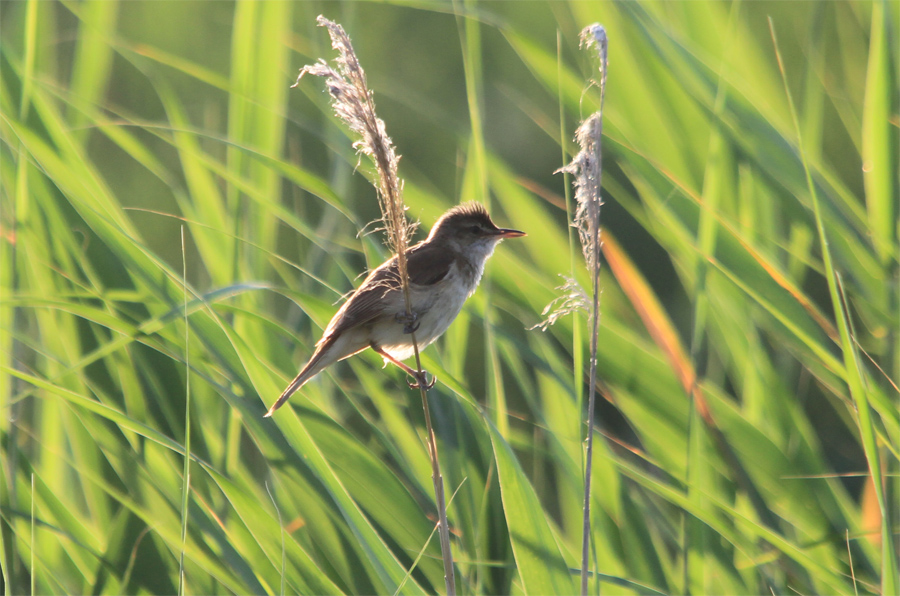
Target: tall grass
[{"x": 751, "y": 242}]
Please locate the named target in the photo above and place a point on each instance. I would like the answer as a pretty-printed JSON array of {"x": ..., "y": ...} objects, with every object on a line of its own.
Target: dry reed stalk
[
  {"x": 352, "y": 102},
  {"x": 587, "y": 168}
]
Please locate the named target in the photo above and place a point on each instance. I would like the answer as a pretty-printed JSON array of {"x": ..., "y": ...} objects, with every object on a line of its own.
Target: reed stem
[
  {"x": 588, "y": 166},
  {"x": 353, "y": 103}
]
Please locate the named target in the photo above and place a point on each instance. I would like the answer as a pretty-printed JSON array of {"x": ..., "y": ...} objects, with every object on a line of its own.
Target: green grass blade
[
  {"x": 854, "y": 375},
  {"x": 542, "y": 567},
  {"x": 878, "y": 161}
]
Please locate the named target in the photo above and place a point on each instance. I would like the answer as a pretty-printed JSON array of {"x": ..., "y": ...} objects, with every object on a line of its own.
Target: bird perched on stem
[{"x": 444, "y": 270}]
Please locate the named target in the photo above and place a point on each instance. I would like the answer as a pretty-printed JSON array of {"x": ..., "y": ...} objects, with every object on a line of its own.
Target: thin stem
[
  {"x": 436, "y": 478},
  {"x": 281, "y": 528},
  {"x": 186, "y": 474},
  {"x": 33, "y": 571},
  {"x": 592, "y": 392},
  {"x": 438, "y": 481},
  {"x": 593, "y": 35}
]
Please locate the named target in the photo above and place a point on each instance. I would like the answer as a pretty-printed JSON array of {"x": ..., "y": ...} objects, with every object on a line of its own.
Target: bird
[{"x": 444, "y": 270}]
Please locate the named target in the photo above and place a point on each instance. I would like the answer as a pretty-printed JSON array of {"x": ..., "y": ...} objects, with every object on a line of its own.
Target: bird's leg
[
  {"x": 421, "y": 377},
  {"x": 410, "y": 321}
]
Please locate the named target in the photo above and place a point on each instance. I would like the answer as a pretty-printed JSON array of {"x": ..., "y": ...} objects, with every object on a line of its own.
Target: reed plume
[
  {"x": 352, "y": 102},
  {"x": 571, "y": 299},
  {"x": 587, "y": 168}
]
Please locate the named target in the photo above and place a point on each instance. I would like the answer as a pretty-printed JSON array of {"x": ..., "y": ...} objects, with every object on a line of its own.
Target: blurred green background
[{"x": 148, "y": 144}]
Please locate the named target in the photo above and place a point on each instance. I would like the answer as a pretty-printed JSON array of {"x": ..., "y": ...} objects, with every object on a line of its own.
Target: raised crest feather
[{"x": 470, "y": 210}]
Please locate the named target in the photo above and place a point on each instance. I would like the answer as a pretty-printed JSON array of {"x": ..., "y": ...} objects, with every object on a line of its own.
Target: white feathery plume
[{"x": 352, "y": 102}]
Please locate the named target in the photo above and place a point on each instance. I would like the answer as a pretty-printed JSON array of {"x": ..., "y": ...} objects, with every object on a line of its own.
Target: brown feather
[{"x": 426, "y": 264}]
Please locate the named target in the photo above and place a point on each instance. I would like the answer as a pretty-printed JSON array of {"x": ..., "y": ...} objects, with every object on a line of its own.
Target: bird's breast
[{"x": 435, "y": 306}]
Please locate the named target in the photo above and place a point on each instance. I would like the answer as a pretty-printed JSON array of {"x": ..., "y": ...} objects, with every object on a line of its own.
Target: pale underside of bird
[{"x": 444, "y": 270}]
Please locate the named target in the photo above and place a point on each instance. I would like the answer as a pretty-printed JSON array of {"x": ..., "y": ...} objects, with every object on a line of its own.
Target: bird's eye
[{"x": 475, "y": 229}]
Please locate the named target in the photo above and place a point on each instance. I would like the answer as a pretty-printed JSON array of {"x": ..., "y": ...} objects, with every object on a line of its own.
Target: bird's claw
[
  {"x": 410, "y": 322},
  {"x": 421, "y": 381}
]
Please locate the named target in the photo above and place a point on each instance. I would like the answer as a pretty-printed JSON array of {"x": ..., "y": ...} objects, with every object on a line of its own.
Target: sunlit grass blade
[
  {"x": 877, "y": 153},
  {"x": 92, "y": 62},
  {"x": 854, "y": 376},
  {"x": 541, "y": 566}
]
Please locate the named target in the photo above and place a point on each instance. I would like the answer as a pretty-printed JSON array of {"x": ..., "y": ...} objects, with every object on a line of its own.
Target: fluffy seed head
[{"x": 352, "y": 102}]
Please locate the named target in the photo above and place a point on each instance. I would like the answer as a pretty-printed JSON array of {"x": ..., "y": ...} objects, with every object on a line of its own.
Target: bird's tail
[{"x": 312, "y": 368}]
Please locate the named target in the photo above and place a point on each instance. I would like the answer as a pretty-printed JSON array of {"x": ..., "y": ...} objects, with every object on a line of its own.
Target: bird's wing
[{"x": 426, "y": 265}]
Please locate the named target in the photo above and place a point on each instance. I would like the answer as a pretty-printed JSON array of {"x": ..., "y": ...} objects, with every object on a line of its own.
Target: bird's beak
[{"x": 507, "y": 233}]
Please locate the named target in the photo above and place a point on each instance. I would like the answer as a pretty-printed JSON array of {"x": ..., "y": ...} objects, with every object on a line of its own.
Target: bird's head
[{"x": 468, "y": 229}]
